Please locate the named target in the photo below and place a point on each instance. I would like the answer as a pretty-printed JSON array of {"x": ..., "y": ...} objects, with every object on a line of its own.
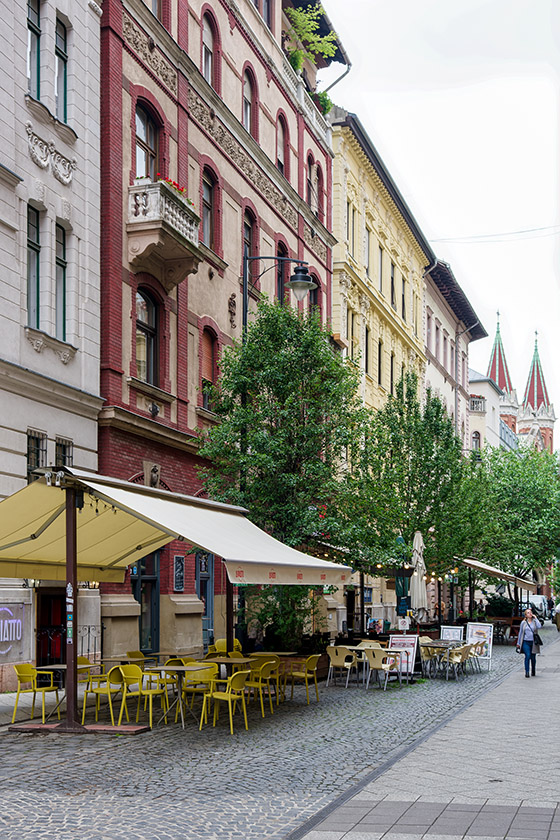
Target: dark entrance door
[
  {"x": 51, "y": 627},
  {"x": 145, "y": 588},
  {"x": 205, "y": 591}
]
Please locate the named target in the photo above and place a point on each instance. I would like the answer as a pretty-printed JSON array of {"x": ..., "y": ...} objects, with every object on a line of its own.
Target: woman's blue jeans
[{"x": 530, "y": 657}]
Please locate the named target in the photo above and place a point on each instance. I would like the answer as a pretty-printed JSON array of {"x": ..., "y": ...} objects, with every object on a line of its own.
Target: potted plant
[{"x": 323, "y": 101}]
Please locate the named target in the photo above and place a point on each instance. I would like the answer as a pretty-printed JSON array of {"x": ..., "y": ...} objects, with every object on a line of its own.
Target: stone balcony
[
  {"x": 477, "y": 405},
  {"x": 162, "y": 233}
]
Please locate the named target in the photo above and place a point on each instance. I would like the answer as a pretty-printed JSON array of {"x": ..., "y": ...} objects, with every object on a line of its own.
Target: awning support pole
[
  {"x": 362, "y": 604},
  {"x": 71, "y": 724},
  {"x": 471, "y": 594},
  {"x": 229, "y": 614}
]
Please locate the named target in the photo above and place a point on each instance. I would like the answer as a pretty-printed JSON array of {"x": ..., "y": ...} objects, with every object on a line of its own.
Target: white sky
[{"x": 461, "y": 99}]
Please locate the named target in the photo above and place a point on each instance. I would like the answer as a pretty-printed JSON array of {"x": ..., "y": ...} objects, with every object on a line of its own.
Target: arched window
[
  {"x": 475, "y": 441},
  {"x": 209, "y": 354},
  {"x": 281, "y": 270},
  {"x": 146, "y": 338},
  {"x": 250, "y": 243},
  {"x": 208, "y": 50},
  {"x": 319, "y": 189},
  {"x": 208, "y": 208},
  {"x": 309, "y": 182},
  {"x": 248, "y": 104},
  {"x": 282, "y": 147},
  {"x": 315, "y": 294},
  {"x": 146, "y": 145}
]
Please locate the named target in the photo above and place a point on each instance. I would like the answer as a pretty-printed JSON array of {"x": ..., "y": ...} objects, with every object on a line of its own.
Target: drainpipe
[{"x": 340, "y": 78}]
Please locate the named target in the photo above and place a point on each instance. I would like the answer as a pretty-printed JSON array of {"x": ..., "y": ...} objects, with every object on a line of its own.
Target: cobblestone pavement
[
  {"x": 264, "y": 783},
  {"x": 490, "y": 773}
]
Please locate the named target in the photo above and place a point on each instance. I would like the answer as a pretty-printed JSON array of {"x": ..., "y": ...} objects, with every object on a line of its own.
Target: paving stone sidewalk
[
  {"x": 255, "y": 785},
  {"x": 492, "y": 772}
]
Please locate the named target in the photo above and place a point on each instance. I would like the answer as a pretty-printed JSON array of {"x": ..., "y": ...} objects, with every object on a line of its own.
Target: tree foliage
[
  {"x": 288, "y": 408},
  {"x": 304, "y": 34},
  {"x": 406, "y": 476},
  {"x": 521, "y": 531}
]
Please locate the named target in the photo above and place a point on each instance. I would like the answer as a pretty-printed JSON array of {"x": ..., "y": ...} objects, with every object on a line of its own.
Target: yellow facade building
[{"x": 377, "y": 314}]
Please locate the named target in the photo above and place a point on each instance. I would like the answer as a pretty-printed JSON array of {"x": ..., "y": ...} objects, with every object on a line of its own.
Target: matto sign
[{"x": 12, "y": 626}]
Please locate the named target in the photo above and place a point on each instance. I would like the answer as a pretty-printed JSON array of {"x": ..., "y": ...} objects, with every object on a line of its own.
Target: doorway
[
  {"x": 145, "y": 588},
  {"x": 51, "y": 626},
  {"x": 205, "y": 591}
]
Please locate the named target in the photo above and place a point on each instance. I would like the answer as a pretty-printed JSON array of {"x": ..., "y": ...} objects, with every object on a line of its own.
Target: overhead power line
[{"x": 504, "y": 236}]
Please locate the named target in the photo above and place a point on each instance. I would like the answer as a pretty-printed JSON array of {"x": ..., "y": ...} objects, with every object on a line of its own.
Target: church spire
[
  {"x": 535, "y": 392},
  {"x": 497, "y": 367}
]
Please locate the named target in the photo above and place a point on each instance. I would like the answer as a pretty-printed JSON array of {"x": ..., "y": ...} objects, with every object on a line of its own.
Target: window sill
[
  {"x": 208, "y": 415},
  {"x": 212, "y": 257},
  {"x": 42, "y": 113},
  {"x": 151, "y": 390},
  {"x": 39, "y": 340}
]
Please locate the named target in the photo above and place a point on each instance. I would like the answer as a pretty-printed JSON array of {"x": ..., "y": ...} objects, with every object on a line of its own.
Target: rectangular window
[
  {"x": 348, "y": 222},
  {"x": 33, "y": 255},
  {"x": 267, "y": 12},
  {"x": 379, "y": 361},
  {"x": 403, "y": 304},
  {"x": 156, "y": 8},
  {"x": 366, "y": 353},
  {"x": 61, "y": 68},
  {"x": 429, "y": 331},
  {"x": 415, "y": 314},
  {"x": 393, "y": 296},
  {"x": 350, "y": 332},
  {"x": 64, "y": 452},
  {"x": 207, "y": 212},
  {"x": 452, "y": 359},
  {"x": 444, "y": 359},
  {"x": 380, "y": 269},
  {"x": 368, "y": 245},
  {"x": 36, "y": 453},
  {"x": 60, "y": 283},
  {"x": 436, "y": 351},
  {"x": 353, "y": 232},
  {"x": 33, "y": 49},
  {"x": 392, "y": 373}
]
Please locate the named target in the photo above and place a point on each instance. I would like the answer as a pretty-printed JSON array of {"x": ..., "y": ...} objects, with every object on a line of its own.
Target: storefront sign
[
  {"x": 178, "y": 573},
  {"x": 481, "y": 632},
  {"x": 408, "y": 644},
  {"x": 12, "y": 632}
]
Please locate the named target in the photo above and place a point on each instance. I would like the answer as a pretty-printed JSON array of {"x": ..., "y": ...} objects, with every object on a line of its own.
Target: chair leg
[
  {"x": 328, "y": 678},
  {"x": 33, "y": 705},
  {"x": 15, "y": 707},
  {"x": 43, "y": 705},
  {"x": 230, "y": 710},
  {"x": 111, "y": 709},
  {"x": 84, "y": 708},
  {"x": 316, "y": 686},
  {"x": 123, "y": 704},
  {"x": 57, "y": 705},
  {"x": 307, "y": 688},
  {"x": 244, "y": 707},
  {"x": 347, "y": 677}
]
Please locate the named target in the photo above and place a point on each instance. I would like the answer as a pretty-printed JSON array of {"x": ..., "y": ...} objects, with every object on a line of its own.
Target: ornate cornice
[
  {"x": 144, "y": 46},
  {"x": 39, "y": 340},
  {"x": 207, "y": 118}
]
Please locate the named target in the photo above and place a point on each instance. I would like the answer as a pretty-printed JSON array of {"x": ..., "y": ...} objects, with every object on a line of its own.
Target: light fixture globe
[{"x": 300, "y": 282}]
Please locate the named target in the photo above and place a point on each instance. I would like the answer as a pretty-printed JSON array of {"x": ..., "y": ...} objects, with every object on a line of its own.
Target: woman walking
[{"x": 526, "y": 641}]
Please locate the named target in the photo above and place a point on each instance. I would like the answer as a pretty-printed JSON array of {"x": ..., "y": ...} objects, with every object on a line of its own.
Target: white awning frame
[{"x": 492, "y": 571}]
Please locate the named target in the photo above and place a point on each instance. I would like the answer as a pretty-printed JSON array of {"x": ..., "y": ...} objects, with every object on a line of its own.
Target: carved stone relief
[
  {"x": 46, "y": 156},
  {"x": 202, "y": 113},
  {"x": 141, "y": 43}
]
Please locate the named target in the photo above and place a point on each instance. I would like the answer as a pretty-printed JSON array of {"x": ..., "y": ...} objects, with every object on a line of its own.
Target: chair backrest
[
  {"x": 376, "y": 657},
  {"x": 174, "y": 660},
  {"x": 187, "y": 660},
  {"x": 311, "y": 663},
  {"x": 132, "y": 675},
  {"x": 84, "y": 661},
  {"x": 237, "y": 681},
  {"x": 338, "y": 655},
  {"x": 266, "y": 670},
  {"x": 203, "y": 675},
  {"x": 25, "y": 672},
  {"x": 115, "y": 677},
  {"x": 135, "y": 654}
]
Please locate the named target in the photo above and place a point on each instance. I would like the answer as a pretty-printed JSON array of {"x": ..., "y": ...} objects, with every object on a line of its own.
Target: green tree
[
  {"x": 406, "y": 476},
  {"x": 288, "y": 409},
  {"x": 522, "y": 527},
  {"x": 305, "y": 38}
]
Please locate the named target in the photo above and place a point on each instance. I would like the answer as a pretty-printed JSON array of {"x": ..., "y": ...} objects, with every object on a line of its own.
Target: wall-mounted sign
[
  {"x": 12, "y": 632},
  {"x": 178, "y": 573}
]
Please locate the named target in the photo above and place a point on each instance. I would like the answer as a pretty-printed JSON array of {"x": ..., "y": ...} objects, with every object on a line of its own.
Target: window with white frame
[
  {"x": 60, "y": 283},
  {"x": 61, "y": 71},
  {"x": 34, "y": 48},
  {"x": 33, "y": 267}
]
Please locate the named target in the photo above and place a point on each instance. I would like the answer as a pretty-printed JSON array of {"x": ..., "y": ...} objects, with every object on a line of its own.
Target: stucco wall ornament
[
  {"x": 140, "y": 43},
  {"x": 201, "y": 112},
  {"x": 314, "y": 243},
  {"x": 46, "y": 156}
]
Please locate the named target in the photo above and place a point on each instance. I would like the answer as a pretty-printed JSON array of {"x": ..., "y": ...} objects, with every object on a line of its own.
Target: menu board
[
  {"x": 455, "y": 633},
  {"x": 481, "y": 632},
  {"x": 407, "y": 643},
  {"x": 178, "y": 573}
]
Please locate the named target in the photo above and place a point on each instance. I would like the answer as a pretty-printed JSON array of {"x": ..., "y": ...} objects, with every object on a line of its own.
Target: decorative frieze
[
  {"x": 46, "y": 156},
  {"x": 314, "y": 243},
  {"x": 145, "y": 48},
  {"x": 206, "y": 116}
]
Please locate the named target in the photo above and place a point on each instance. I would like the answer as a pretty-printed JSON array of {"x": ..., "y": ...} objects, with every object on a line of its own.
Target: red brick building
[{"x": 212, "y": 148}]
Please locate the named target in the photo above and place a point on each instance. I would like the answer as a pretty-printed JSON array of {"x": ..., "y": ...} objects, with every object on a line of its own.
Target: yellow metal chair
[
  {"x": 234, "y": 692},
  {"x": 199, "y": 683},
  {"x": 103, "y": 685},
  {"x": 219, "y": 648},
  {"x": 379, "y": 661},
  {"x": 341, "y": 659},
  {"x": 259, "y": 680},
  {"x": 309, "y": 671},
  {"x": 133, "y": 686},
  {"x": 26, "y": 673}
]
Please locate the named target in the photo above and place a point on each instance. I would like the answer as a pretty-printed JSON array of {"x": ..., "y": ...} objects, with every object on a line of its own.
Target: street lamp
[{"x": 300, "y": 282}]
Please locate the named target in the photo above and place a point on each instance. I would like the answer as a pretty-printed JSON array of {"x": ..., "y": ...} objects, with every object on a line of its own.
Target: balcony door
[{"x": 145, "y": 588}]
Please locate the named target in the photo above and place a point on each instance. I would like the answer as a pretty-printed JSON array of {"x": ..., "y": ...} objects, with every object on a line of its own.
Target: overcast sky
[{"x": 460, "y": 97}]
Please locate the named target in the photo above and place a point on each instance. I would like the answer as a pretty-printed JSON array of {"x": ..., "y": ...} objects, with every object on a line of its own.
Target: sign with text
[
  {"x": 178, "y": 573},
  {"x": 455, "y": 633},
  {"x": 481, "y": 632},
  {"x": 12, "y": 633},
  {"x": 408, "y": 644}
]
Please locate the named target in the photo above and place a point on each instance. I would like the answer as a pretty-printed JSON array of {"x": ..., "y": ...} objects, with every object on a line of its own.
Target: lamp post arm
[{"x": 246, "y": 261}]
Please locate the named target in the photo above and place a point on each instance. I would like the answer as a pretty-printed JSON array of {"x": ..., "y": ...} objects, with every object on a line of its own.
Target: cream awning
[
  {"x": 492, "y": 571},
  {"x": 122, "y": 522}
]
